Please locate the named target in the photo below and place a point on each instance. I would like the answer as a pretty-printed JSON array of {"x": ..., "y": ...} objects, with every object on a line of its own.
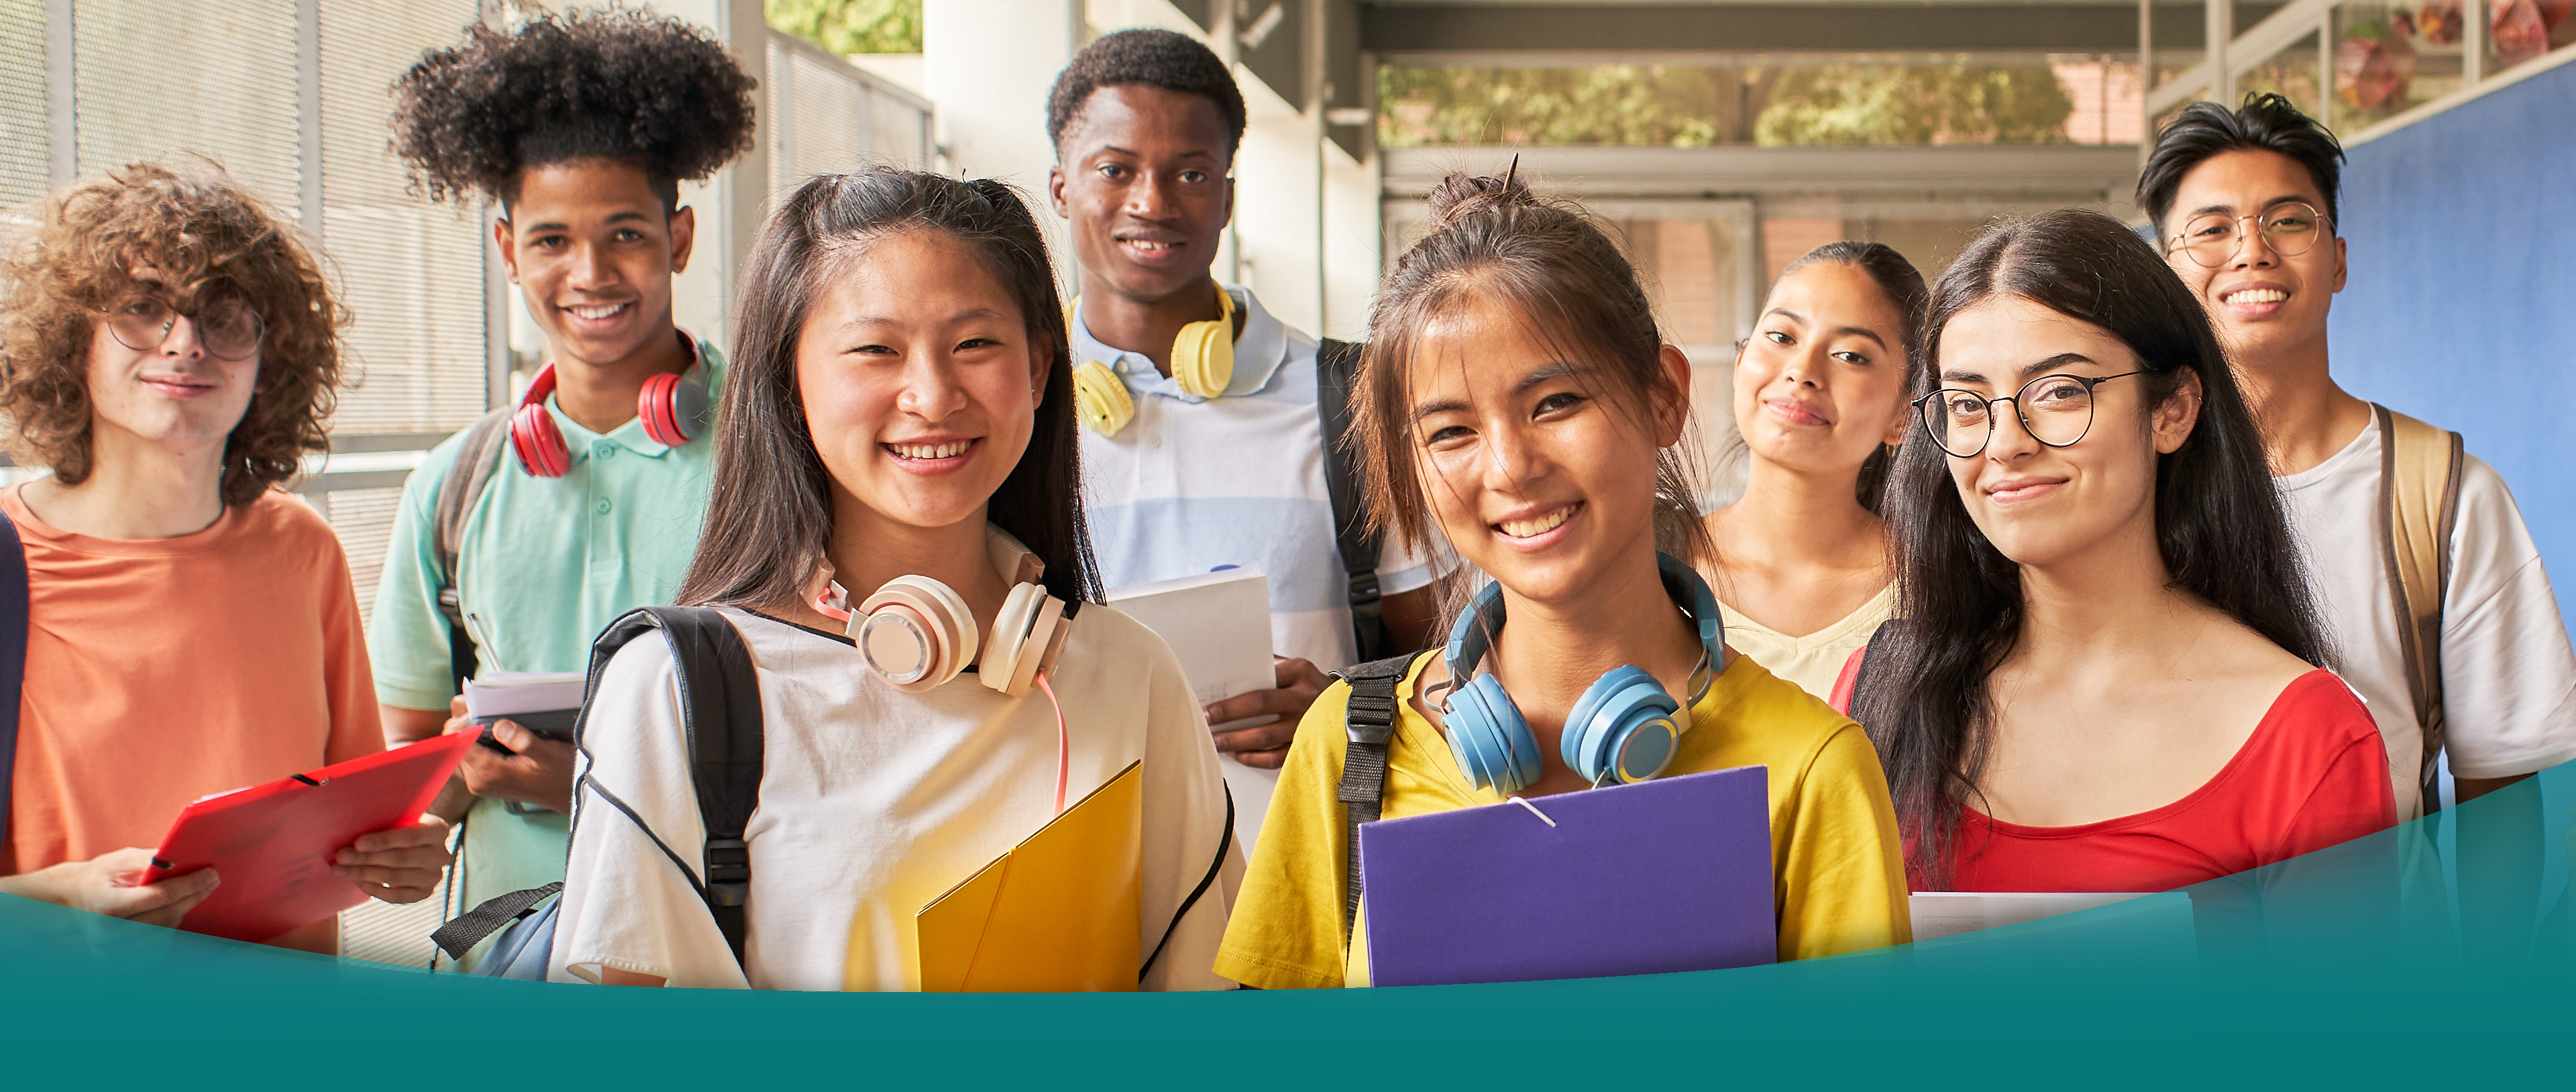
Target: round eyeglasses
[
  {"x": 2211, "y": 239},
  {"x": 227, "y": 327},
  {"x": 2057, "y": 410}
]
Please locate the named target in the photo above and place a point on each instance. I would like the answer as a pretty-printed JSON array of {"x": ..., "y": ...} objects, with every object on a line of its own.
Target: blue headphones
[{"x": 1623, "y": 730}]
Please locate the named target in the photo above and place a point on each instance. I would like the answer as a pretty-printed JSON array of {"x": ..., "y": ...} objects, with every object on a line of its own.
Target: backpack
[
  {"x": 13, "y": 652},
  {"x": 1369, "y": 721},
  {"x": 721, "y": 719},
  {"x": 720, "y": 716},
  {"x": 1337, "y": 366},
  {"x": 2419, "y": 507},
  {"x": 476, "y": 461}
]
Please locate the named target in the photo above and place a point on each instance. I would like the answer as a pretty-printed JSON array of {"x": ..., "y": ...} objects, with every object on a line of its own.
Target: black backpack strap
[
  {"x": 1370, "y": 722},
  {"x": 460, "y": 935},
  {"x": 1337, "y": 365},
  {"x": 1224, "y": 844},
  {"x": 13, "y": 653},
  {"x": 721, "y": 721},
  {"x": 476, "y": 461}
]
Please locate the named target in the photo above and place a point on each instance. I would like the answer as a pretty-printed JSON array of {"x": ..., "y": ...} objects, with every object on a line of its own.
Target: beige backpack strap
[{"x": 2419, "y": 502}]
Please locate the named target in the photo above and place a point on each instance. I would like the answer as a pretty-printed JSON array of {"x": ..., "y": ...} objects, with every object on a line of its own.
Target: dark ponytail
[
  {"x": 1551, "y": 264},
  {"x": 1902, "y": 284}
]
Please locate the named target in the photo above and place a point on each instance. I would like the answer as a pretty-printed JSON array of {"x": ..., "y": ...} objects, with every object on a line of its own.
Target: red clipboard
[{"x": 272, "y": 844}]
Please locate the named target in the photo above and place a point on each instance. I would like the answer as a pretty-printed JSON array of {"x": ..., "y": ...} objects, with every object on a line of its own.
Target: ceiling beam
[
  {"x": 2056, "y": 172},
  {"x": 1393, "y": 32}
]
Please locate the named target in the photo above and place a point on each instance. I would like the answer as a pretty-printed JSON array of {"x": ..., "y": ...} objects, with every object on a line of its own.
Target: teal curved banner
[{"x": 2430, "y": 954}]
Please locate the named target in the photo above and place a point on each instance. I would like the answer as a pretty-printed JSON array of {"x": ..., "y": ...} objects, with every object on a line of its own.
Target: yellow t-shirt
[{"x": 1838, "y": 885}]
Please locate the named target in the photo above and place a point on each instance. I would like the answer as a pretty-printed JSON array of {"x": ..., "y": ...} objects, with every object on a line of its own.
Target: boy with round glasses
[
  {"x": 2426, "y": 574},
  {"x": 169, "y": 351}
]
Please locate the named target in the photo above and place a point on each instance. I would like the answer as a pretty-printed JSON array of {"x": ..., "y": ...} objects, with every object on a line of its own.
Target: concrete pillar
[
  {"x": 1279, "y": 206},
  {"x": 987, "y": 65}
]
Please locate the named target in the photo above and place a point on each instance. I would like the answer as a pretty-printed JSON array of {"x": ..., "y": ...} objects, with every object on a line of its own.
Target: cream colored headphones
[
  {"x": 916, "y": 633},
  {"x": 1202, "y": 363}
]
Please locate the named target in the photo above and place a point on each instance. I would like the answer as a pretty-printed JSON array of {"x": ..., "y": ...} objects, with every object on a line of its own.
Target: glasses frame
[
  {"x": 2014, "y": 399},
  {"x": 259, "y": 328},
  {"x": 2180, "y": 240}
]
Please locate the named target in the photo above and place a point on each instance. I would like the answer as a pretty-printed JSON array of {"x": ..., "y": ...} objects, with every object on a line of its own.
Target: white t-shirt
[
  {"x": 2508, "y": 677},
  {"x": 1191, "y": 484},
  {"x": 873, "y": 802}
]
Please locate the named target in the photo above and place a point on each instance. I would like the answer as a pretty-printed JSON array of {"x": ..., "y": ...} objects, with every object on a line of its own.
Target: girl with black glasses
[{"x": 2109, "y": 676}]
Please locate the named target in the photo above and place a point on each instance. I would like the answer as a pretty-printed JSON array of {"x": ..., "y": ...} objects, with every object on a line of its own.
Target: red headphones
[{"x": 674, "y": 408}]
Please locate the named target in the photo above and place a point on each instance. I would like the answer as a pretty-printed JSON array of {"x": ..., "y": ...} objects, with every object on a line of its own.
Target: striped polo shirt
[{"x": 1195, "y": 483}]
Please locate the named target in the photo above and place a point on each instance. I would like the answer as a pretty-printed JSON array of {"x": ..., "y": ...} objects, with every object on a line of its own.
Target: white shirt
[
  {"x": 1191, "y": 484},
  {"x": 873, "y": 802},
  {"x": 2508, "y": 676}
]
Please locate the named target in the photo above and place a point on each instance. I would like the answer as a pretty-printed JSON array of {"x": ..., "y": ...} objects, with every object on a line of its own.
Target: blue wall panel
[{"x": 2461, "y": 303}]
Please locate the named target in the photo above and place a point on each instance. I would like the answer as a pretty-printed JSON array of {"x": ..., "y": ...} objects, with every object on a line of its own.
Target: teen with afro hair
[
  {"x": 1206, "y": 445},
  {"x": 524, "y": 535}
]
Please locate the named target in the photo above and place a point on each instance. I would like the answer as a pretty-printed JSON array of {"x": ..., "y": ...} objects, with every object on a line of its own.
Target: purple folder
[{"x": 1668, "y": 875}]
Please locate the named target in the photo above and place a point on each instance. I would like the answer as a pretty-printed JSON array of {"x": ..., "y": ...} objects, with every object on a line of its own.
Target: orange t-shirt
[{"x": 163, "y": 670}]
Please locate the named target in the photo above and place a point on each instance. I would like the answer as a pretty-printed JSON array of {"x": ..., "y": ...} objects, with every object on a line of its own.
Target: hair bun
[{"x": 1459, "y": 196}]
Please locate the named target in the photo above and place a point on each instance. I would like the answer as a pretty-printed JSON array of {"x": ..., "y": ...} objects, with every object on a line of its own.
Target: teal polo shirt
[{"x": 543, "y": 564}]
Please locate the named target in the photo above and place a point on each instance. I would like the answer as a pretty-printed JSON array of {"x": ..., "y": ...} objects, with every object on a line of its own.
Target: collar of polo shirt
[{"x": 1258, "y": 353}]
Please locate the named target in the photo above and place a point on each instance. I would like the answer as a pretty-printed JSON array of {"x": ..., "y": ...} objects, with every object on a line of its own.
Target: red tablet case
[{"x": 272, "y": 844}]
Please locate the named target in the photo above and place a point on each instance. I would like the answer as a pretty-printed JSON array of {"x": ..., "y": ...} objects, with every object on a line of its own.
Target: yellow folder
[{"x": 1057, "y": 913}]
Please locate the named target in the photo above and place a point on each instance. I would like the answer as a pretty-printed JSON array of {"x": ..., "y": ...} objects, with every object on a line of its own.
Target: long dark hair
[
  {"x": 2219, "y": 525},
  {"x": 771, "y": 508},
  {"x": 1551, "y": 263},
  {"x": 1902, "y": 284}
]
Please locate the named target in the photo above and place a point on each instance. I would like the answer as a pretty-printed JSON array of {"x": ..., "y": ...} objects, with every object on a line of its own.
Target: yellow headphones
[{"x": 1202, "y": 363}]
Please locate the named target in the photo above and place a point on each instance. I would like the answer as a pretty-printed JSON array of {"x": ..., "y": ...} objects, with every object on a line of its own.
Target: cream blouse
[{"x": 1815, "y": 660}]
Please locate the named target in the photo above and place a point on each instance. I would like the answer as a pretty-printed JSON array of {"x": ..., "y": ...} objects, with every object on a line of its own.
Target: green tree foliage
[
  {"x": 1610, "y": 104},
  {"x": 1953, "y": 104},
  {"x": 851, "y": 26},
  {"x": 1655, "y": 105}
]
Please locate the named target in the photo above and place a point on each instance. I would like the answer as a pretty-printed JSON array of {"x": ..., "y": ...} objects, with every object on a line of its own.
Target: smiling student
[
  {"x": 1801, "y": 567},
  {"x": 2426, "y": 576},
  {"x": 2108, "y": 675},
  {"x": 170, "y": 350},
  {"x": 901, "y": 426},
  {"x": 548, "y": 519},
  {"x": 1208, "y": 443},
  {"x": 1518, "y": 398}
]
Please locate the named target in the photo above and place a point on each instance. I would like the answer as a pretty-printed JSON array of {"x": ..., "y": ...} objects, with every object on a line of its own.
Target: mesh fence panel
[
  {"x": 26, "y": 144},
  {"x": 411, "y": 272},
  {"x": 228, "y": 97}
]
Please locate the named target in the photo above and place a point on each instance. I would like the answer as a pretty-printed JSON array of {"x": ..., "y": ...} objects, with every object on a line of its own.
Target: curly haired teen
[
  {"x": 171, "y": 351},
  {"x": 514, "y": 545}
]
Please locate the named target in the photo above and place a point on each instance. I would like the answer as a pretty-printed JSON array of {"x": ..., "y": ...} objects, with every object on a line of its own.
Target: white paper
[
  {"x": 1950, "y": 913},
  {"x": 517, "y": 693},
  {"x": 1218, "y": 624}
]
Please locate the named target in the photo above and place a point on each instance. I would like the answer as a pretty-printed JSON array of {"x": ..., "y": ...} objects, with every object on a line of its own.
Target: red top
[{"x": 2313, "y": 774}]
